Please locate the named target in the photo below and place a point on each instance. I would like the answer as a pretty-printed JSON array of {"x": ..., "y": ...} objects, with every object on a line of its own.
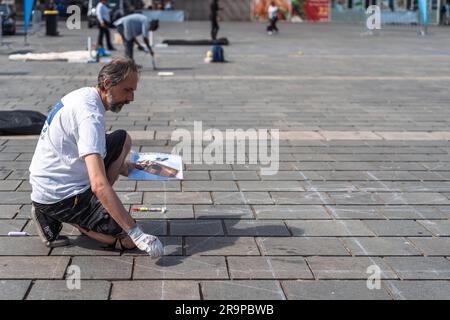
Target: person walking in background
[
  {"x": 214, "y": 8},
  {"x": 272, "y": 13},
  {"x": 104, "y": 21}
]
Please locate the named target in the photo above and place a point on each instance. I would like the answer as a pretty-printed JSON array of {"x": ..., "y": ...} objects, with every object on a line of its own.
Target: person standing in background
[
  {"x": 214, "y": 8},
  {"x": 104, "y": 21},
  {"x": 37, "y": 17},
  {"x": 273, "y": 18}
]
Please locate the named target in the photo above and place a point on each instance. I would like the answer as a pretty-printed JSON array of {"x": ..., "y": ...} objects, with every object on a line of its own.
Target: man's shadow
[{"x": 175, "y": 250}]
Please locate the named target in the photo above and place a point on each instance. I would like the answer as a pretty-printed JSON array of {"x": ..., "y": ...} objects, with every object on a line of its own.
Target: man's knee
[
  {"x": 122, "y": 135},
  {"x": 128, "y": 143}
]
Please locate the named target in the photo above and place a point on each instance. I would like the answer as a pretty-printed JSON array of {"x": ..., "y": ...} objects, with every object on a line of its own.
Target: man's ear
[{"x": 106, "y": 83}]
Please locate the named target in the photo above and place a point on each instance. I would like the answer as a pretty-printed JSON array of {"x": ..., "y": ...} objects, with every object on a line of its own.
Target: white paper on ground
[{"x": 165, "y": 74}]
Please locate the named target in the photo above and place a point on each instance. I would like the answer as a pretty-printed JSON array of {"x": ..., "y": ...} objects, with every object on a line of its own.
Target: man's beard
[{"x": 113, "y": 106}]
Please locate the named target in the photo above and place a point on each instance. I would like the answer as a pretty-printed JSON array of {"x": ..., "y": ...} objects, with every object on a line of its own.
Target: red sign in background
[{"x": 317, "y": 10}]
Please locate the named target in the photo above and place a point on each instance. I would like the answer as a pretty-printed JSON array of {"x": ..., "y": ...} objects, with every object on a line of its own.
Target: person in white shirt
[
  {"x": 75, "y": 165},
  {"x": 103, "y": 21},
  {"x": 273, "y": 17}
]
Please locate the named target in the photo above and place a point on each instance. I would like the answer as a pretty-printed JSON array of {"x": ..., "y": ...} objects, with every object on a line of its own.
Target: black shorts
[{"x": 84, "y": 209}]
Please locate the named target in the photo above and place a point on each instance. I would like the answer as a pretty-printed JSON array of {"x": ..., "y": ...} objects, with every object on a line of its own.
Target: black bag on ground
[{"x": 21, "y": 122}]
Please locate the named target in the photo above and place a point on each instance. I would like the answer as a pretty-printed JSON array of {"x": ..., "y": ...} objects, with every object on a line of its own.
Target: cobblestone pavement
[{"x": 364, "y": 172}]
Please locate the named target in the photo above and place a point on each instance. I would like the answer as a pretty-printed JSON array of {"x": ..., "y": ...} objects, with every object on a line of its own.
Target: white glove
[
  {"x": 146, "y": 50},
  {"x": 146, "y": 242}
]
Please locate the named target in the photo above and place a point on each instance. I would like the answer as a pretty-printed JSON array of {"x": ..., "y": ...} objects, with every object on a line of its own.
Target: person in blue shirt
[
  {"x": 104, "y": 21},
  {"x": 132, "y": 26}
]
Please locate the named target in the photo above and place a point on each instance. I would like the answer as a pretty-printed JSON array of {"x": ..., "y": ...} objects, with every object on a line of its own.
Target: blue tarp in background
[{"x": 164, "y": 15}]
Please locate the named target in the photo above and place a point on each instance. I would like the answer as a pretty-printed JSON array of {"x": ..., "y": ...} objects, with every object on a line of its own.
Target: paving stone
[
  {"x": 242, "y": 290},
  {"x": 286, "y": 212},
  {"x": 84, "y": 246},
  {"x": 386, "y": 246},
  {"x": 8, "y": 211},
  {"x": 397, "y": 228},
  {"x": 173, "y": 212},
  {"x": 8, "y": 156},
  {"x": 337, "y": 175},
  {"x": 440, "y": 228},
  {"x": 104, "y": 267},
  {"x": 349, "y": 268},
  {"x": 330, "y": 186},
  {"x": 162, "y": 186},
  {"x": 10, "y": 225},
  {"x": 311, "y": 198},
  {"x": 352, "y": 198},
  {"x": 173, "y": 246},
  {"x": 196, "y": 227},
  {"x": 25, "y": 186},
  {"x": 286, "y": 176},
  {"x": 9, "y": 185},
  {"x": 206, "y": 167},
  {"x": 154, "y": 227},
  {"x": 417, "y": 268},
  {"x": 14, "y": 197},
  {"x": 4, "y": 173},
  {"x": 433, "y": 246},
  {"x": 242, "y": 198},
  {"x": 195, "y": 175},
  {"x": 130, "y": 197},
  {"x": 59, "y": 290},
  {"x": 332, "y": 290},
  {"x": 36, "y": 268},
  {"x": 222, "y": 211},
  {"x": 221, "y": 246},
  {"x": 20, "y": 174},
  {"x": 270, "y": 186},
  {"x": 430, "y": 198},
  {"x": 24, "y": 212},
  {"x": 13, "y": 289},
  {"x": 419, "y": 290},
  {"x": 412, "y": 212},
  {"x": 234, "y": 175},
  {"x": 209, "y": 186},
  {"x": 301, "y": 246},
  {"x": 356, "y": 212},
  {"x": 392, "y": 176},
  {"x": 22, "y": 246},
  {"x": 194, "y": 267},
  {"x": 155, "y": 290},
  {"x": 177, "y": 198},
  {"x": 256, "y": 228},
  {"x": 328, "y": 228},
  {"x": 268, "y": 268},
  {"x": 125, "y": 186}
]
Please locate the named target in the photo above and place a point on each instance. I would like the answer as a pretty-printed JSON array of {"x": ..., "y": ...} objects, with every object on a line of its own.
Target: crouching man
[{"x": 75, "y": 165}]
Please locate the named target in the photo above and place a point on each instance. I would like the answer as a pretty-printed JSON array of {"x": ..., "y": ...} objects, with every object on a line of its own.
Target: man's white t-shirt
[
  {"x": 74, "y": 128},
  {"x": 272, "y": 12}
]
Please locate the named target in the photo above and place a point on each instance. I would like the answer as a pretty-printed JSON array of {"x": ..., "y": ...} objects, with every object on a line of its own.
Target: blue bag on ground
[
  {"x": 218, "y": 55},
  {"x": 21, "y": 122}
]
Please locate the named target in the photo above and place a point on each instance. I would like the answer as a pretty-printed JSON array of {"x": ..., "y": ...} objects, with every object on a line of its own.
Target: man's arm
[
  {"x": 147, "y": 43},
  {"x": 140, "y": 47},
  {"x": 99, "y": 15},
  {"x": 102, "y": 189}
]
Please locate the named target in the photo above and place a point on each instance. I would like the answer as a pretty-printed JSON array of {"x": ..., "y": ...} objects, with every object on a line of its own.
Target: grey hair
[{"x": 116, "y": 71}]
